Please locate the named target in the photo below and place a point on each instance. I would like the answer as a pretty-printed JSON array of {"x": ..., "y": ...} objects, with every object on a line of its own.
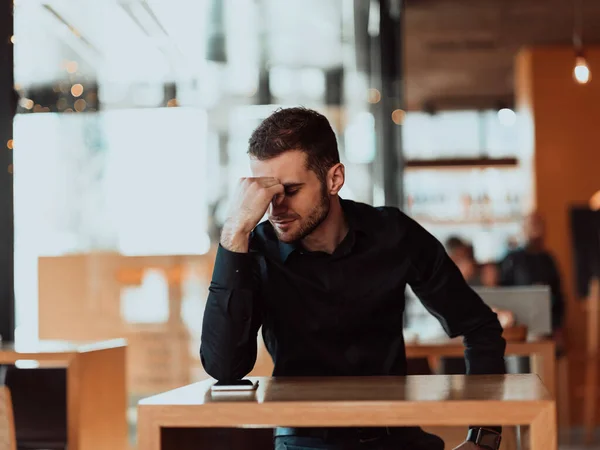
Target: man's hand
[
  {"x": 248, "y": 206},
  {"x": 468, "y": 445}
]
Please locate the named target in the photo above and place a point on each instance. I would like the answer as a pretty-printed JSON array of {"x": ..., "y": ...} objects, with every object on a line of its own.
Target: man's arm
[
  {"x": 438, "y": 283},
  {"x": 232, "y": 317},
  {"x": 233, "y": 312},
  {"x": 443, "y": 291}
]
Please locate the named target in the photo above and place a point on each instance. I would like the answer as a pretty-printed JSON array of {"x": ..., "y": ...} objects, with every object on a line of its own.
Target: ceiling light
[{"x": 581, "y": 71}]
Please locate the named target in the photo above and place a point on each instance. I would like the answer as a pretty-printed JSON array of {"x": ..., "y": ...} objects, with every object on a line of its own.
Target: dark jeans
[{"x": 397, "y": 439}]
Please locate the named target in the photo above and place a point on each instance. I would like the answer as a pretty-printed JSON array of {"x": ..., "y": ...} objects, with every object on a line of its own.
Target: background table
[
  {"x": 165, "y": 420},
  {"x": 542, "y": 353},
  {"x": 96, "y": 388}
]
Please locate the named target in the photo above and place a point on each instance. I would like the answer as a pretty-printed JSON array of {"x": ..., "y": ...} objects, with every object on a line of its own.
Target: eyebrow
[{"x": 292, "y": 185}]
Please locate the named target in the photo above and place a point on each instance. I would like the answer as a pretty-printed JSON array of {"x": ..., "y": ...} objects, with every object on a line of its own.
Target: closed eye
[{"x": 291, "y": 189}]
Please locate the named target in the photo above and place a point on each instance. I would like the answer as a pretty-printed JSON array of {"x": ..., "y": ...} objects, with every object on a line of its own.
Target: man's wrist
[
  {"x": 485, "y": 438},
  {"x": 235, "y": 240}
]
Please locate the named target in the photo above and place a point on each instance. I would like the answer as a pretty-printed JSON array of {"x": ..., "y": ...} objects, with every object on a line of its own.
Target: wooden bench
[{"x": 193, "y": 417}]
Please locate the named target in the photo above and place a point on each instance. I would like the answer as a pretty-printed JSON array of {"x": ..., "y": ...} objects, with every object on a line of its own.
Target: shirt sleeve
[
  {"x": 440, "y": 286},
  {"x": 232, "y": 317}
]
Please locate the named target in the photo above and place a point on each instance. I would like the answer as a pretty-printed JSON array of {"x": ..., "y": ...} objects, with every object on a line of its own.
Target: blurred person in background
[
  {"x": 512, "y": 243},
  {"x": 532, "y": 265},
  {"x": 456, "y": 248},
  {"x": 325, "y": 278},
  {"x": 463, "y": 255},
  {"x": 489, "y": 274}
]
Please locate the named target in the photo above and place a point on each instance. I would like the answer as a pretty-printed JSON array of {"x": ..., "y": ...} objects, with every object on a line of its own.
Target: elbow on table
[{"x": 224, "y": 369}]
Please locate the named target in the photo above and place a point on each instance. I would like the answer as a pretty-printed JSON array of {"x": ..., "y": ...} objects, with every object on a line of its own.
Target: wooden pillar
[
  {"x": 561, "y": 124},
  {"x": 7, "y": 110},
  {"x": 387, "y": 76}
]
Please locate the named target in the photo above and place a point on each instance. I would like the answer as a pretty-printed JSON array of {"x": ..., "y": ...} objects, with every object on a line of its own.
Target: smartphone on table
[{"x": 235, "y": 386}]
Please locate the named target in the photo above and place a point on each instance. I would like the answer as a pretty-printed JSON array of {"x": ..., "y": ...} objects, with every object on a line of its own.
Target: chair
[{"x": 7, "y": 422}]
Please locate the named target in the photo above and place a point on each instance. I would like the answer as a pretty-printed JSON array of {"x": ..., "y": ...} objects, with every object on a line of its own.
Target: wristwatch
[{"x": 484, "y": 438}]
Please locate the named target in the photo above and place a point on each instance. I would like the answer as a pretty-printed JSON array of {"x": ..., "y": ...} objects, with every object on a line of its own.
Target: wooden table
[
  {"x": 542, "y": 353},
  {"x": 96, "y": 388},
  {"x": 164, "y": 421}
]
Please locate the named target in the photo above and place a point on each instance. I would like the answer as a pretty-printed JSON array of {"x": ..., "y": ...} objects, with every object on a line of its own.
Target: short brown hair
[{"x": 297, "y": 129}]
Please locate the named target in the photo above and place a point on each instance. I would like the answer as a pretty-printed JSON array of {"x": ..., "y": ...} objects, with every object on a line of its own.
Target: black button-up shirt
[{"x": 341, "y": 313}]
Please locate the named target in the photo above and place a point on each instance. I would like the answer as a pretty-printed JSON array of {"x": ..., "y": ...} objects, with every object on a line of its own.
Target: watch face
[{"x": 490, "y": 440}]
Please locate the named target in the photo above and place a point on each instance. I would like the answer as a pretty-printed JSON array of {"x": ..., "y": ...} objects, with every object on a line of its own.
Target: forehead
[{"x": 287, "y": 167}]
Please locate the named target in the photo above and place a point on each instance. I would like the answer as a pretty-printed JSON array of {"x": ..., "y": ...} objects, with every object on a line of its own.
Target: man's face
[
  {"x": 533, "y": 227},
  {"x": 305, "y": 204}
]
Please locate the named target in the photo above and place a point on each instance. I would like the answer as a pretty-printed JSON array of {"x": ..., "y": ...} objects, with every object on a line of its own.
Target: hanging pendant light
[{"x": 581, "y": 72}]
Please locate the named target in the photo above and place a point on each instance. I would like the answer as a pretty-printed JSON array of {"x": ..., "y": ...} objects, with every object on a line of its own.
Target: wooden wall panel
[{"x": 565, "y": 120}]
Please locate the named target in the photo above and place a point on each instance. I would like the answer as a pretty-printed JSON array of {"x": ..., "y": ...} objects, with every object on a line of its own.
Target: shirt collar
[
  {"x": 286, "y": 249},
  {"x": 354, "y": 223}
]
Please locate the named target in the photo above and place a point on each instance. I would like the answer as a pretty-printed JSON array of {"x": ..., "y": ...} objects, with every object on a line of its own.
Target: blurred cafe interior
[{"x": 124, "y": 127}]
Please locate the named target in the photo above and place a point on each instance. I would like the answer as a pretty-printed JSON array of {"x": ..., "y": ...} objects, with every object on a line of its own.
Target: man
[
  {"x": 325, "y": 278},
  {"x": 534, "y": 265}
]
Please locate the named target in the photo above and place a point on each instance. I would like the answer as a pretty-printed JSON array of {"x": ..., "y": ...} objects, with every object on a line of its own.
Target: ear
[{"x": 336, "y": 176}]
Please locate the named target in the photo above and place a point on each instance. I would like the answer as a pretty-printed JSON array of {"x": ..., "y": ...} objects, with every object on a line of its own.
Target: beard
[{"x": 306, "y": 226}]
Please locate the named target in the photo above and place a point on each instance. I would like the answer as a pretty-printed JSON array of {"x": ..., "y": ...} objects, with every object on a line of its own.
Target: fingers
[
  {"x": 267, "y": 188},
  {"x": 263, "y": 181},
  {"x": 276, "y": 189},
  {"x": 272, "y": 187},
  {"x": 269, "y": 182}
]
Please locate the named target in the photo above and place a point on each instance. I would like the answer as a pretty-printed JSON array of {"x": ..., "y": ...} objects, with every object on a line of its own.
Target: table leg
[
  {"x": 590, "y": 399},
  {"x": 563, "y": 399},
  {"x": 509, "y": 438},
  {"x": 97, "y": 400},
  {"x": 543, "y": 363},
  {"x": 543, "y": 433},
  {"x": 520, "y": 441},
  {"x": 148, "y": 431}
]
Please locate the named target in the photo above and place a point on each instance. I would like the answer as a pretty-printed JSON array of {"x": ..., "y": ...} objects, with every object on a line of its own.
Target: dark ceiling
[{"x": 460, "y": 53}]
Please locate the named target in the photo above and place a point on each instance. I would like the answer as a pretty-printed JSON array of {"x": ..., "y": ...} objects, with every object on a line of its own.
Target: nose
[{"x": 278, "y": 205}]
